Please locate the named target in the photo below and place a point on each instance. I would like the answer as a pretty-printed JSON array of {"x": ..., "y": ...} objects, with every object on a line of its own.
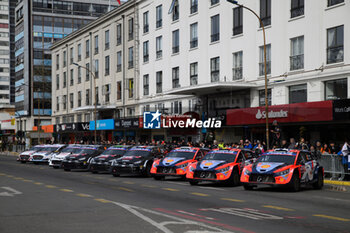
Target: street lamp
[
  {"x": 95, "y": 111},
  {"x": 266, "y": 99}
]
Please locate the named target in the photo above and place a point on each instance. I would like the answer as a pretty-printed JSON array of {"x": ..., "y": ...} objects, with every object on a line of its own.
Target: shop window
[{"x": 262, "y": 97}]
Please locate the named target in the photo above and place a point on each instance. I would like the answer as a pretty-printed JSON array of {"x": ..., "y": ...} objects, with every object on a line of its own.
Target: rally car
[
  {"x": 283, "y": 167},
  {"x": 25, "y": 156},
  {"x": 56, "y": 159},
  {"x": 219, "y": 166},
  {"x": 44, "y": 155},
  {"x": 102, "y": 163},
  {"x": 81, "y": 159},
  {"x": 176, "y": 162},
  {"x": 138, "y": 159}
]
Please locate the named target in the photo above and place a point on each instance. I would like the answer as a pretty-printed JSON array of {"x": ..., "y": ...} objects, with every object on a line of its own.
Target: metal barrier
[{"x": 334, "y": 166}]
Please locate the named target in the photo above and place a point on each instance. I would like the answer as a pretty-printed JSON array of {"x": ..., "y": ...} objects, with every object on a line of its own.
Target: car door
[{"x": 304, "y": 167}]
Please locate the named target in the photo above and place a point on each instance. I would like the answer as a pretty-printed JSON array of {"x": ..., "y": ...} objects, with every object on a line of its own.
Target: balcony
[
  {"x": 194, "y": 9},
  {"x": 194, "y": 43},
  {"x": 335, "y": 54},
  {"x": 237, "y": 73},
  {"x": 131, "y": 64},
  {"x": 159, "y": 23},
  {"x": 79, "y": 57},
  {"x": 96, "y": 51},
  {"x": 215, "y": 76},
  {"x": 176, "y": 83},
  {"x": 215, "y": 37},
  {"x": 297, "y": 62},
  {"x": 298, "y": 11},
  {"x": 145, "y": 28},
  {"x": 159, "y": 88},
  {"x": 131, "y": 36},
  {"x": 159, "y": 54},
  {"x": 194, "y": 80},
  {"x": 145, "y": 58},
  {"x": 119, "y": 67},
  {"x": 176, "y": 49},
  {"x": 107, "y": 46},
  {"x": 237, "y": 30},
  {"x": 266, "y": 21},
  {"x": 262, "y": 69},
  {"x": 175, "y": 15},
  {"x": 119, "y": 40}
]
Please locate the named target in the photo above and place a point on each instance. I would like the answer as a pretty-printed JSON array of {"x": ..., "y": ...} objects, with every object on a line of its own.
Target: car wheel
[
  {"x": 66, "y": 169},
  {"x": 295, "y": 183},
  {"x": 158, "y": 177},
  {"x": 147, "y": 172},
  {"x": 234, "y": 179},
  {"x": 193, "y": 182},
  {"x": 248, "y": 187},
  {"x": 320, "y": 181}
]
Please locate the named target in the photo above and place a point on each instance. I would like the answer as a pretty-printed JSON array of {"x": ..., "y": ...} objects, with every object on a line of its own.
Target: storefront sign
[
  {"x": 127, "y": 123},
  {"x": 80, "y": 126},
  {"x": 341, "y": 109},
  {"x": 300, "y": 112},
  {"x": 102, "y": 124}
]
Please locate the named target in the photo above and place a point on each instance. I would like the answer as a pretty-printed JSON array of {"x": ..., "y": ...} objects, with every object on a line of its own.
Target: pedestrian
[
  {"x": 276, "y": 134},
  {"x": 325, "y": 149},
  {"x": 292, "y": 144},
  {"x": 284, "y": 144},
  {"x": 346, "y": 155},
  {"x": 333, "y": 148},
  {"x": 302, "y": 145}
]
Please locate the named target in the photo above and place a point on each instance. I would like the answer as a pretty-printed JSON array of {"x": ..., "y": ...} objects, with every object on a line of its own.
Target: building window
[
  {"x": 64, "y": 102},
  {"x": 145, "y": 51},
  {"x": 262, "y": 97},
  {"x": 64, "y": 79},
  {"x": 131, "y": 88},
  {"x": 336, "y": 89},
  {"x": 237, "y": 20},
  {"x": 71, "y": 56},
  {"x": 87, "y": 48},
  {"x": 159, "y": 51},
  {"x": 71, "y": 77},
  {"x": 176, "y": 10},
  {"x": 97, "y": 101},
  {"x": 159, "y": 82},
  {"x": 237, "y": 66},
  {"x": 79, "y": 74},
  {"x": 87, "y": 72},
  {"x": 176, "y": 41},
  {"x": 265, "y": 12},
  {"x": 79, "y": 117},
  {"x": 215, "y": 69},
  {"x": 131, "y": 28},
  {"x": 176, "y": 107},
  {"x": 79, "y": 98},
  {"x": 194, "y": 6},
  {"x": 79, "y": 52},
  {"x": 71, "y": 100},
  {"x": 119, "y": 90},
  {"x": 87, "y": 97},
  {"x": 145, "y": 22},
  {"x": 176, "y": 77},
  {"x": 298, "y": 94},
  {"x": 268, "y": 60},
  {"x": 96, "y": 68},
  {"x": 194, "y": 73},
  {"x": 107, "y": 40},
  {"x": 335, "y": 44},
  {"x": 119, "y": 34},
  {"x": 215, "y": 28},
  {"x": 213, "y": 2},
  {"x": 131, "y": 58},
  {"x": 57, "y": 61},
  {"x": 57, "y": 103},
  {"x": 64, "y": 58},
  {"x": 57, "y": 81},
  {"x": 146, "y": 84},
  {"x": 96, "y": 45},
  {"x": 334, "y": 2},
  {"x": 159, "y": 16},
  {"x": 119, "y": 61},
  {"x": 106, "y": 93},
  {"x": 106, "y": 65},
  {"x": 297, "y": 53},
  {"x": 194, "y": 35},
  {"x": 87, "y": 117},
  {"x": 297, "y": 8}
]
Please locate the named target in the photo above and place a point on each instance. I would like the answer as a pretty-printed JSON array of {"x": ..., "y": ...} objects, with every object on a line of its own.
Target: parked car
[
  {"x": 56, "y": 159},
  {"x": 44, "y": 155},
  {"x": 25, "y": 155}
]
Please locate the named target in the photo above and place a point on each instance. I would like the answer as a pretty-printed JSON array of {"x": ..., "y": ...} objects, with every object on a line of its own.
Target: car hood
[
  {"x": 266, "y": 167},
  {"x": 171, "y": 161},
  {"x": 130, "y": 159},
  {"x": 62, "y": 155},
  {"x": 210, "y": 164},
  {"x": 107, "y": 157},
  {"x": 44, "y": 153},
  {"x": 28, "y": 152}
]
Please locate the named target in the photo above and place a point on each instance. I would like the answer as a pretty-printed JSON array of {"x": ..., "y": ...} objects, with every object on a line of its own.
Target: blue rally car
[{"x": 282, "y": 167}]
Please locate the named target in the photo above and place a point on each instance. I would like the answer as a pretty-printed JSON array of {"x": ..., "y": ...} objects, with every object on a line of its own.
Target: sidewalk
[
  {"x": 8, "y": 153},
  {"x": 336, "y": 185}
]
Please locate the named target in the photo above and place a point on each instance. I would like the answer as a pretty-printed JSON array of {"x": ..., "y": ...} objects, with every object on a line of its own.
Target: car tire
[
  {"x": 247, "y": 187},
  {"x": 66, "y": 170},
  {"x": 158, "y": 177},
  {"x": 193, "y": 182},
  {"x": 234, "y": 179},
  {"x": 147, "y": 172},
  {"x": 294, "y": 183},
  {"x": 320, "y": 180}
]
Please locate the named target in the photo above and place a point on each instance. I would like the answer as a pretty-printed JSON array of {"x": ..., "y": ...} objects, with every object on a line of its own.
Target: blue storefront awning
[{"x": 102, "y": 124}]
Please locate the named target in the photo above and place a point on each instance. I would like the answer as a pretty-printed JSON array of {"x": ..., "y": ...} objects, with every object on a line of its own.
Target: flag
[{"x": 118, "y": 1}]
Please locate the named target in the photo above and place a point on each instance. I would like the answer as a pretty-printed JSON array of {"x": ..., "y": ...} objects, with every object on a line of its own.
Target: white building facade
[{"x": 4, "y": 53}]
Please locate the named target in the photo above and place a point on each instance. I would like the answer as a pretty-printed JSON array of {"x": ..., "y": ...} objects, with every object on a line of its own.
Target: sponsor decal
[{"x": 272, "y": 114}]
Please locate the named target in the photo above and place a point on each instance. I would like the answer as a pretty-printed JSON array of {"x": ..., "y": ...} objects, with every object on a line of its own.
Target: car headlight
[
  {"x": 285, "y": 172},
  {"x": 182, "y": 165},
  {"x": 82, "y": 159},
  {"x": 246, "y": 172},
  {"x": 223, "y": 169}
]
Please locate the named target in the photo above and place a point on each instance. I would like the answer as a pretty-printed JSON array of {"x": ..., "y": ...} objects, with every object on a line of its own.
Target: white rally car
[
  {"x": 25, "y": 155},
  {"x": 56, "y": 159},
  {"x": 45, "y": 154}
]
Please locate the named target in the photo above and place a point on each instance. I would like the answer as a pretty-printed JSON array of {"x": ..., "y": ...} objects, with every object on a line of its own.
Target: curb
[
  {"x": 343, "y": 186},
  {"x": 9, "y": 153}
]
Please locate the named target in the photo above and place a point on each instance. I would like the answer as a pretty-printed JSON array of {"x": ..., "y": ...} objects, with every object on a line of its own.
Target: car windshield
[
  {"x": 229, "y": 157},
  {"x": 50, "y": 149},
  {"x": 71, "y": 149},
  {"x": 276, "y": 158},
  {"x": 114, "y": 152},
  {"x": 181, "y": 154},
  {"x": 87, "y": 151},
  {"x": 137, "y": 153}
]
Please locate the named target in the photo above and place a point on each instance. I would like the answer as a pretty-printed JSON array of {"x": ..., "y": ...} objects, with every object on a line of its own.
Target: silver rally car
[
  {"x": 56, "y": 159},
  {"x": 45, "y": 154}
]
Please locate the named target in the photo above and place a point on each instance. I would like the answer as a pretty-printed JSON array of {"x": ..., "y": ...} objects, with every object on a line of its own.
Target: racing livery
[
  {"x": 44, "y": 155},
  {"x": 138, "y": 159},
  {"x": 176, "y": 162},
  {"x": 283, "y": 167},
  {"x": 219, "y": 166},
  {"x": 102, "y": 163},
  {"x": 56, "y": 159},
  {"x": 26, "y": 155},
  {"x": 82, "y": 158}
]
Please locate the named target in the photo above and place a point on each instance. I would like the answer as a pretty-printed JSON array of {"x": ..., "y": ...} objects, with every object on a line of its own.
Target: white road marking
[
  {"x": 193, "y": 214},
  {"x": 11, "y": 192},
  {"x": 246, "y": 213},
  {"x": 333, "y": 199},
  {"x": 172, "y": 182},
  {"x": 211, "y": 188}
]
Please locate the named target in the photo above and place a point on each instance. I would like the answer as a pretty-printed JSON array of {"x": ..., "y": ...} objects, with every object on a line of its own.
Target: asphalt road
[{"x": 36, "y": 198}]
